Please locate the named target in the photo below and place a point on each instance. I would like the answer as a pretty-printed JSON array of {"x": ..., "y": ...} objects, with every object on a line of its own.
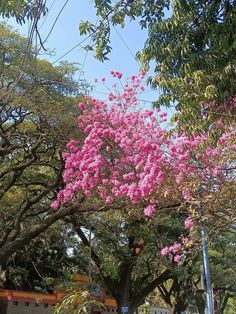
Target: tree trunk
[
  {"x": 178, "y": 308},
  {"x": 123, "y": 295},
  {"x": 200, "y": 303}
]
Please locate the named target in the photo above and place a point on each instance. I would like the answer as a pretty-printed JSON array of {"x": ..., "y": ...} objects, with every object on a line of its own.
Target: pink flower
[
  {"x": 149, "y": 210},
  {"x": 183, "y": 240},
  {"x": 124, "y": 149},
  {"x": 82, "y": 106},
  {"x": 153, "y": 201},
  {"x": 109, "y": 200},
  {"x": 188, "y": 224},
  {"x": 186, "y": 194},
  {"x": 119, "y": 75},
  {"x": 175, "y": 247},
  {"x": 177, "y": 258},
  {"x": 165, "y": 251},
  {"x": 179, "y": 179},
  {"x": 55, "y": 204}
]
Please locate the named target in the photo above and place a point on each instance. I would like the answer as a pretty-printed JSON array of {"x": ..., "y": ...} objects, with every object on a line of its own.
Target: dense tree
[
  {"x": 44, "y": 263},
  {"x": 127, "y": 158},
  {"x": 222, "y": 269},
  {"x": 37, "y": 116},
  {"x": 22, "y": 10},
  {"x": 125, "y": 247},
  {"x": 192, "y": 44}
]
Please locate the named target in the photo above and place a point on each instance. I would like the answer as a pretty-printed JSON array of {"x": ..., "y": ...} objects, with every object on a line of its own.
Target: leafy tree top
[
  {"x": 37, "y": 116},
  {"x": 192, "y": 44}
]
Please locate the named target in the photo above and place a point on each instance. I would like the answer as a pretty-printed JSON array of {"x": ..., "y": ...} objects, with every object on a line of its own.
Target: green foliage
[
  {"x": 76, "y": 302},
  {"x": 192, "y": 45},
  {"x": 145, "y": 309},
  {"x": 125, "y": 249},
  {"x": 38, "y": 111},
  {"x": 45, "y": 264},
  {"x": 194, "y": 53},
  {"x": 223, "y": 270},
  {"x": 22, "y": 10}
]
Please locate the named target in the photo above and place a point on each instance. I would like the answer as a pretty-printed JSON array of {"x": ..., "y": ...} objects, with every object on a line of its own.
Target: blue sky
[{"x": 65, "y": 35}]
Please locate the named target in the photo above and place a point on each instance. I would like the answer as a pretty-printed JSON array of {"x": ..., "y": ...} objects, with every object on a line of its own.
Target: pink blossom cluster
[
  {"x": 149, "y": 210},
  {"x": 125, "y": 152},
  {"x": 214, "y": 107},
  {"x": 175, "y": 251},
  {"x": 189, "y": 224}
]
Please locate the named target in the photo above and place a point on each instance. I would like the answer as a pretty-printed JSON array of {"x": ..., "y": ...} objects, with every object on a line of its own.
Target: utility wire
[
  {"x": 31, "y": 29},
  {"x": 91, "y": 34},
  {"x": 149, "y": 101},
  {"x": 55, "y": 21},
  {"x": 74, "y": 47},
  {"x": 122, "y": 39},
  {"x": 47, "y": 14},
  {"x": 86, "y": 55}
]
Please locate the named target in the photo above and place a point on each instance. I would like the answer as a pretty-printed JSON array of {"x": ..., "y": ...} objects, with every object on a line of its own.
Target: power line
[
  {"x": 32, "y": 26},
  {"x": 47, "y": 14},
  {"x": 91, "y": 34},
  {"x": 55, "y": 21},
  {"x": 122, "y": 39},
  {"x": 74, "y": 47},
  {"x": 151, "y": 102},
  {"x": 86, "y": 55}
]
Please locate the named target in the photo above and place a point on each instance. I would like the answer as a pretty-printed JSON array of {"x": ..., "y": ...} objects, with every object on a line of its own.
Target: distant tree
[
  {"x": 47, "y": 263},
  {"x": 38, "y": 114}
]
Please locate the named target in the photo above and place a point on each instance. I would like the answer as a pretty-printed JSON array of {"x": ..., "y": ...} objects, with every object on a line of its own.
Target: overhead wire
[
  {"x": 74, "y": 47},
  {"x": 122, "y": 39},
  {"x": 151, "y": 102},
  {"x": 30, "y": 34},
  {"x": 46, "y": 17},
  {"x": 86, "y": 55},
  {"x": 55, "y": 21},
  {"x": 90, "y": 35}
]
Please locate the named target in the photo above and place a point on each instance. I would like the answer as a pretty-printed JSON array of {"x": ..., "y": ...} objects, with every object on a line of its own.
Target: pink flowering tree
[
  {"x": 126, "y": 153},
  {"x": 127, "y": 156}
]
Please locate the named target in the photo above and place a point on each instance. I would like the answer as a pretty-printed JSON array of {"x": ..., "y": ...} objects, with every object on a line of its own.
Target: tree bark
[{"x": 9, "y": 248}]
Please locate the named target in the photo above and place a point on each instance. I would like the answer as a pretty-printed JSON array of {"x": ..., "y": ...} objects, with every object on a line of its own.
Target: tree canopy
[
  {"x": 37, "y": 116},
  {"x": 121, "y": 157},
  {"x": 192, "y": 44},
  {"x": 22, "y": 10}
]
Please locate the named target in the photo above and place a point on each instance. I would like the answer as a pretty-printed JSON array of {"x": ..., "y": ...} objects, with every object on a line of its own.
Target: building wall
[
  {"x": 18, "y": 307},
  {"x": 3, "y": 307}
]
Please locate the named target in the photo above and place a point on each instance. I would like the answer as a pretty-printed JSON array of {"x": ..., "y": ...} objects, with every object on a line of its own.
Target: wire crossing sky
[{"x": 59, "y": 32}]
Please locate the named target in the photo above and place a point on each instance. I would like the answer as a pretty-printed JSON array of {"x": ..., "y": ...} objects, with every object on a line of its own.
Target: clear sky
[{"x": 65, "y": 35}]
